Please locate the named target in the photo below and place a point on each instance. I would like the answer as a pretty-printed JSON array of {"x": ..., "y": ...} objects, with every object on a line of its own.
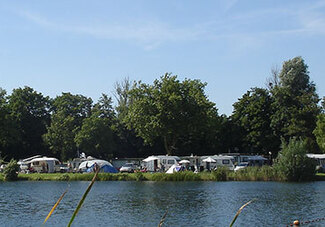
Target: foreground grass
[{"x": 265, "y": 173}]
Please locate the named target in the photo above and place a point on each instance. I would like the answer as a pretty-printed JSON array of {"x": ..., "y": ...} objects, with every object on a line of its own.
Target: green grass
[{"x": 265, "y": 173}]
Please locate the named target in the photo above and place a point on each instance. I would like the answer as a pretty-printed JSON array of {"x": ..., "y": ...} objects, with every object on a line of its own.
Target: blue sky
[{"x": 84, "y": 47}]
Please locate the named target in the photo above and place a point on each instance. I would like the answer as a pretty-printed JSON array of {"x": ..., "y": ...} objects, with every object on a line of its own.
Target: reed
[
  {"x": 239, "y": 211},
  {"x": 54, "y": 207},
  {"x": 83, "y": 198},
  {"x": 163, "y": 219}
]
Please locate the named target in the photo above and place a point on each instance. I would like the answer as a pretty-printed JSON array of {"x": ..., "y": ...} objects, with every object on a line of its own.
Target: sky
[{"x": 85, "y": 47}]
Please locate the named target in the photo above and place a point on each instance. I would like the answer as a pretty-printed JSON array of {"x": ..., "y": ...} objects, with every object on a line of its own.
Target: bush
[
  {"x": 292, "y": 162},
  {"x": 221, "y": 173},
  {"x": 139, "y": 177},
  {"x": 64, "y": 177},
  {"x": 10, "y": 172}
]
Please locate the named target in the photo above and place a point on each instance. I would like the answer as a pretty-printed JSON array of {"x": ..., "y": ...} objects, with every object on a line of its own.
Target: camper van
[
  {"x": 216, "y": 161},
  {"x": 160, "y": 163},
  {"x": 45, "y": 165}
]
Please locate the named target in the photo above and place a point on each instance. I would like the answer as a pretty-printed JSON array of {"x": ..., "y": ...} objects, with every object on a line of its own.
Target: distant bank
[{"x": 251, "y": 174}]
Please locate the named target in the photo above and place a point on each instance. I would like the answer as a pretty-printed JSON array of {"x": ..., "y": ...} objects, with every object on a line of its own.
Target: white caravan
[
  {"x": 160, "y": 163},
  {"x": 45, "y": 165},
  {"x": 217, "y": 161}
]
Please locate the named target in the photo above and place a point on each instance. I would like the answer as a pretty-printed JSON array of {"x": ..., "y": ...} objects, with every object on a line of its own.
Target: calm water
[{"x": 143, "y": 203}]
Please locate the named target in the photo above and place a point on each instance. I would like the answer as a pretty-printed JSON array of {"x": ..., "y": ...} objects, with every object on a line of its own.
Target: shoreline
[{"x": 182, "y": 176}]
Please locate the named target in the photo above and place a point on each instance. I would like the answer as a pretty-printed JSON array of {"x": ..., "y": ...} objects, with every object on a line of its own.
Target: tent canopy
[
  {"x": 150, "y": 158},
  {"x": 209, "y": 159},
  {"x": 104, "y": 166}
]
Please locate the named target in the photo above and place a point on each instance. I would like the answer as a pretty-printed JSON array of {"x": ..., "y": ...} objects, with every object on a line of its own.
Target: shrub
[
  {"x": 10, "y": 172},
  {"x": 292, "y": 162},
  {"x": 221, "y": 173},
  {"x": 139, "y": 177},
  {"x": 64, "y": 177}
]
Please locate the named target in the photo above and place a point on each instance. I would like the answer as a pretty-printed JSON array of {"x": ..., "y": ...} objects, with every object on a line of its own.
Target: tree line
[{"x": 169, "y": 116}]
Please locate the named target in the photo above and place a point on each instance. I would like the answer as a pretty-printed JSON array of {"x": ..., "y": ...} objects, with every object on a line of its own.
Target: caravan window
[
  {"x": 35, "y": 163},
  {"x": 164, "y": 161},
  {"x": 57, "y": 163},
  {"x": 245, "y": 159},
  {"x": 171, "y": 162},
  {"x": 225, "y": 162}
]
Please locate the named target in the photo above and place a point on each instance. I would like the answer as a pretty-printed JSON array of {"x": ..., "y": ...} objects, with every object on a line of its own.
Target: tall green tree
[
  {"x": 122, "y": 96},
  {"x": 69, "y": 111},
  {"x": 295, "y": 103},
  {"x": 96, "y": 136},
  {"x": 9, "y": 134},
  {"x": 30, "y": 111},
  {"x": 253, "y": 114},
  {"x": 169, "y": 109},
  {"x": 129, "y": 145}
]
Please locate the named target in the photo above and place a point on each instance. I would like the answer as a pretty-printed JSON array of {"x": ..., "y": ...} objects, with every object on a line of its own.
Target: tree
[
  {"x": 253, "y": 114},
  {"x": 9, "y": 135},
  {"x": 30, "y": 111},
  {"x": 122, "y": 96},
  {"x": 10, "y": 172},
  {"x": 293, "y": 163},
  {"x": 319, "y": 131},
  {"x": 96, "y": 136},
  {"x": 169, "y": 110},
  {"x": 129, "y": 145},
  {"x": 69, "y": 111},
  {"x": 295, "y": 103}
]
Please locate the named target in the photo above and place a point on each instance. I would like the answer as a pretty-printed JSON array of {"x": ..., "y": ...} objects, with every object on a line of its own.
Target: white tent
[
  {"x": 173, "y": 169},
  {"x": 209, "y": 159}
]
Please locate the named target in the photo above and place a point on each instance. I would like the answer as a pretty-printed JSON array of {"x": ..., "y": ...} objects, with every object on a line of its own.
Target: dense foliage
[
  {"x": 292, "y": 162},
  {"x": 168, "y": 116},
  {"x": 253, "y": 114},
  {"x": 320, "y": 131},
  {"x": 10, "y": 172},
  {"x": 171, "y": 110}
]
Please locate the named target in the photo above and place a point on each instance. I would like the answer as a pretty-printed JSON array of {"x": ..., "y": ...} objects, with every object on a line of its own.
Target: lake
[{"x": 118, "y": 203}]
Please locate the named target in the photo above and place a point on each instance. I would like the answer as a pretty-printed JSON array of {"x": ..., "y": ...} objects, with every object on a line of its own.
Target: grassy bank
[{"x": 265, "y": 173}]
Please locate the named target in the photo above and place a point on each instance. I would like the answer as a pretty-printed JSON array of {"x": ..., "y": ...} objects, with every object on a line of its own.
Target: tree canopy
[
  {"x": 295, "y": 103},
  {"x": 168, "y": 116},
  {"x": 169, "y": 109},
  {"x": 253, "y": 114}
]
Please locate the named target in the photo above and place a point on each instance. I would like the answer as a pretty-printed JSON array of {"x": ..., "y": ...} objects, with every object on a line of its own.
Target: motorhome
[
  {"x": 224, "y": 161},
  {"x": 216, "y": 161},
  {"x": 160, "y": 162},
  {"x": 319, "y": 160},
  {"x": 24, "y": 164},
  {"x": 44, "y": 165}
]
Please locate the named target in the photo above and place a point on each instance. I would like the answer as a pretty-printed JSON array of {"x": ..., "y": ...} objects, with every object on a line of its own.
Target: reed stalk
[
  {"x": 83, "y": 197},
  {"x": 239, "y": 211},
  {"x": 163, "y": 219},
  {"x": 54, "y": 207}
]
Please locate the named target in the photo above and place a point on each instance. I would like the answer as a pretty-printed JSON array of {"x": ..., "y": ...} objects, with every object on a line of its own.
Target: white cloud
[{"x": 306, "y": 21}]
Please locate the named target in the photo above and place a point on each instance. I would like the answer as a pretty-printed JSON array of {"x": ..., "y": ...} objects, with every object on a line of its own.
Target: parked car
[
  {"x": 64, "y": 168},
  {"x": 128, "y": 168}
]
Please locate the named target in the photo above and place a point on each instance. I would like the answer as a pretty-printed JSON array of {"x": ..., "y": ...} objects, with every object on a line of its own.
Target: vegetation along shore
[{"x": 171, "y": 117}]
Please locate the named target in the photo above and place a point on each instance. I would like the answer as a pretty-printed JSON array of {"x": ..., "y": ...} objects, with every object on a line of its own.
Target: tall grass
[{"x": 264, "y": 173}]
